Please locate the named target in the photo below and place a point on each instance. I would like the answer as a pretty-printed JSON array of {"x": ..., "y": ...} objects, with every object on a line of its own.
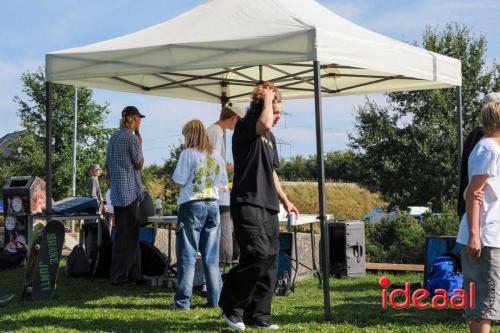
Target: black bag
[
  {"x": 101, "y": 267},
  {"x": 12, "y": 259},
  {"x": 145, "y": 210},
  {"x": 78, "y": 263},
  {"x": 153, "y": 262},
  {"x": 100, "y": 256}
]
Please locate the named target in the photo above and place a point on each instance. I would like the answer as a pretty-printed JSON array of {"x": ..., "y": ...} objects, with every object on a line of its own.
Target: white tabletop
[
  {"x": 301, "y": 220},
  {"x": 167, "y": 219}
]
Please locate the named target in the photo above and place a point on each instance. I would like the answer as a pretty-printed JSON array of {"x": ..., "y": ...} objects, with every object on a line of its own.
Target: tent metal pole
[
  {"x": 75, "y": 128},
  {"x": 48, "y": 148},
  {"x": 223, "y": 102},
  {"x": 73, "y": 167},
  {"x": 460, "y": 137},
  {"x": 321, "y": 191}
]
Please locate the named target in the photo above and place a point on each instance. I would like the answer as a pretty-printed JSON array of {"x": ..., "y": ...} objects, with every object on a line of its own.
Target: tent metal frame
[
  {"x": 311, "y": 75},
  {"x": 286, "y": 81}
]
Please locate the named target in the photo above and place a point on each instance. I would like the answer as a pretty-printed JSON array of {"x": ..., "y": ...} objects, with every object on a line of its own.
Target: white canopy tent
[
  {"x": 220, "y": 50},
  {"x": 227, "y": 40}
]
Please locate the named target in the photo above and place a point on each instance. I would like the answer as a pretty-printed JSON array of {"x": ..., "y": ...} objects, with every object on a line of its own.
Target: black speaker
[{"x": 347, "y": 248}]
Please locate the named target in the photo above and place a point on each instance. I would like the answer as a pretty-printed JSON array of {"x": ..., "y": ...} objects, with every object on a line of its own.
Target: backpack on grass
[
  {"x": 444, "y": 275},
  {"x": 153, "y": 262},
  {"x": 78, "y": 263}
]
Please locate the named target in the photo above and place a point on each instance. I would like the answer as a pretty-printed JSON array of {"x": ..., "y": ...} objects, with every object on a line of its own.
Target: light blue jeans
[{"x": 198, "y": 230}]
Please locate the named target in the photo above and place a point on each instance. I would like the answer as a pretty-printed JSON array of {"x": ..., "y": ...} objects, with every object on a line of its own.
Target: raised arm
[{"x": 265, "y": 121}]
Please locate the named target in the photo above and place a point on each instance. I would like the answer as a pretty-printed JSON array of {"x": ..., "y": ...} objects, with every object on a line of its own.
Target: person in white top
[
  {"x": 229, "y": 115},
  {"x": 200, "y": 174},
  {"x": 479, "y": 231}
]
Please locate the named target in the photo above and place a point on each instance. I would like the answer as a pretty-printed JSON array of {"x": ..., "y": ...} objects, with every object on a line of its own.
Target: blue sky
[{"x": 29, "y": 29}]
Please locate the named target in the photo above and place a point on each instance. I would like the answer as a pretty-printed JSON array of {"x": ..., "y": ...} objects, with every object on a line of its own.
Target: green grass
[{"x": 95, "y": 306}]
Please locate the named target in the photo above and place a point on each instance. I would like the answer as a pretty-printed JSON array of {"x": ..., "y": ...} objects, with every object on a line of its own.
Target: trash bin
[{"x": 22, "y": 196}]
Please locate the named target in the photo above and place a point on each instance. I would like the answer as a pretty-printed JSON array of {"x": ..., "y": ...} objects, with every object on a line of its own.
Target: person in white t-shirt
[
  {"x": 229, "y": 115},
  {"x": 479, "y": 231},
  {"x": 200, "y": 174}
]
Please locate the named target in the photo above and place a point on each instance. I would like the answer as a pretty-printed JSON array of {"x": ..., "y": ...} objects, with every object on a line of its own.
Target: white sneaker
[{"x": 234, "y": 322}]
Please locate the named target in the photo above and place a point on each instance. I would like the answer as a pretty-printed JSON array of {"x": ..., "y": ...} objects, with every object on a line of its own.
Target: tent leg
[
  {"x": 223, "y": 102},
  {"x": 48, "y": 148},
  {"x": 321, "y": 191},
  {"x": 460, "y": 137}
]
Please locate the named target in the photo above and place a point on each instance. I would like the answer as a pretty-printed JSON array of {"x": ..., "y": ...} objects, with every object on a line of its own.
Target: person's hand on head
[{"x": 269, "y": 95}]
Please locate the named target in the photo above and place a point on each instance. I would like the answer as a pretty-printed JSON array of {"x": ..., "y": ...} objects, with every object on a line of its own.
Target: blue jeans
[{"x": 198, "y": 230}]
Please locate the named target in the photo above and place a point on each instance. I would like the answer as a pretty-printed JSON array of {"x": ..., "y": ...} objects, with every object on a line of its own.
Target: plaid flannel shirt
[{"x": 122, "y": 153}]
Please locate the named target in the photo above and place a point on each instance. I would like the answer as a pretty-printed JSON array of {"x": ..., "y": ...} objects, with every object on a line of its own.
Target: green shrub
[
  {"x": 445, "y": 224},
  {"x": 400, "y": 240}
]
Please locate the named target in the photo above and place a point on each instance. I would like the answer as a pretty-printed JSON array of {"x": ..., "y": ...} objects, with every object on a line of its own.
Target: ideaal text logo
[{"x": 421, "y": 298}]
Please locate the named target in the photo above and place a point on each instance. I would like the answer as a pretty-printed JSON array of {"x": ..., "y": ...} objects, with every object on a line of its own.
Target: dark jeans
[
  {"x": 249, "y": 287},
  {"x": 226, "y": 236},
  {"x": 126, "y": 257}
]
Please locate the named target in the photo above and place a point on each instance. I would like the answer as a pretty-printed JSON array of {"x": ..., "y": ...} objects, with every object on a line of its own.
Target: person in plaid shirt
[{"x": 124, "y": 160}]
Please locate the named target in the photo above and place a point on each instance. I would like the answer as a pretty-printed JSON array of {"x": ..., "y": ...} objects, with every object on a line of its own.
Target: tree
[
  {"x": 298, "y": 168},
  {"x": 154, "y": 179},
  {"x": 339, "y": 166},
  {"x": 171, "y": 191},
  {"x": 92, "y": 136},
  {"x": 408, "y": 147}
]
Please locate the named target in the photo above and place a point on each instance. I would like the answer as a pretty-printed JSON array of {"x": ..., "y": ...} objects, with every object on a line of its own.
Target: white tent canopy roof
[{"x": 240, "y": 42}]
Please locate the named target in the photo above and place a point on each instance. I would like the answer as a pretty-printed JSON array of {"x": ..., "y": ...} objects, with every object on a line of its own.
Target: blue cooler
[{"x": 145, "y": 234}]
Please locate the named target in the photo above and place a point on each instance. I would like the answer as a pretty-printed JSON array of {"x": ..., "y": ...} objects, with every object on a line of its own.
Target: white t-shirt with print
[
  {"x": 215, "y": 135},
  {"x": 201, "y": 175},
  {"x": 485, "y": 160}
]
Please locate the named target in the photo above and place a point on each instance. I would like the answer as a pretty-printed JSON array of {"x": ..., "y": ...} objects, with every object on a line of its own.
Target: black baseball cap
[{"x": 131, "y": 111}]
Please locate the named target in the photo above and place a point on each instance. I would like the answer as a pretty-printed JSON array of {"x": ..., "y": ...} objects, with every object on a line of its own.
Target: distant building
[
  {"x": 6, "y": 140},
  {"x": 418, "y": 212},
  {"x": 377, "y": 214}
]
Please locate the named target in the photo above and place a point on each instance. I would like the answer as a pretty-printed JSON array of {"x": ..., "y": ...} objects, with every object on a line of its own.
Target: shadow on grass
[
  {"x": 118, "y": 325},
  {"x": 364, "y": 315}
]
